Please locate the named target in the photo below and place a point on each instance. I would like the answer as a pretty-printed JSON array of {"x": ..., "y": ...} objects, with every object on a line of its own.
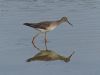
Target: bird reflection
[{"x": 49, "y": 55}]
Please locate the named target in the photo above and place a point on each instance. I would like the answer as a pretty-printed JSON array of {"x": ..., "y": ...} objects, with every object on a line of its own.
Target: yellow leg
[
  {"x": 34, "y": 42},
  {"x": 46, "y": 41},
  {"x": 35, "y": 37},
  {"x": 36, "y": 47}
]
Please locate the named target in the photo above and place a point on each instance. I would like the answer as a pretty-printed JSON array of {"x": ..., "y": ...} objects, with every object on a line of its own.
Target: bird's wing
[{"x": 42, "y": 25}]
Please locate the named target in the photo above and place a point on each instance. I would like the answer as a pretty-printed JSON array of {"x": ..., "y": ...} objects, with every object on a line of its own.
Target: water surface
[{"x": 84, "y": 37}]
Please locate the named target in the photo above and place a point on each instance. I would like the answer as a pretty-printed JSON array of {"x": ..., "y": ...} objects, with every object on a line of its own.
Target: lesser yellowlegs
[{"x": 46, "y": 26}]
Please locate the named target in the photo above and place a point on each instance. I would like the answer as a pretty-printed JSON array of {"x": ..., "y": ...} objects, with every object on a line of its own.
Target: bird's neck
[{"x": 60, "y": 21}]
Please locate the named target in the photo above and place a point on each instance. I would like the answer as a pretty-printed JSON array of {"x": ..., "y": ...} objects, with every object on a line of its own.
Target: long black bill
[{"x": 69, "y": 23}]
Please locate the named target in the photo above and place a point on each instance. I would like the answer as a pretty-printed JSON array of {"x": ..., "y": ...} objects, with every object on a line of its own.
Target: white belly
[
  {"x": 42, "y": 30},
  {"x": 46, "y": 30},
  {"x": 52, "y": 28}
]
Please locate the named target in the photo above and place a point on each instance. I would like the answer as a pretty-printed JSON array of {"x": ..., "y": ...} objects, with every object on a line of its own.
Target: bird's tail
[{"x": 28, "y": 24}]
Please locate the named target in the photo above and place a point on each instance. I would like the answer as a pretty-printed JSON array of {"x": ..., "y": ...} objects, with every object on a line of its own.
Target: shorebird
[
  {"x": 48, "y": 55},
  {"x": 46, "y": 26}
]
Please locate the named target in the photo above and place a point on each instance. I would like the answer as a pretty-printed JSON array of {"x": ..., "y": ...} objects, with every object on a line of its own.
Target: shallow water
[{"x": 83, "y": 37}]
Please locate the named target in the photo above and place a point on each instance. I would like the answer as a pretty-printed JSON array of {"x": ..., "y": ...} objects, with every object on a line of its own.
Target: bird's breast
[{"x": 52, "y": 27}]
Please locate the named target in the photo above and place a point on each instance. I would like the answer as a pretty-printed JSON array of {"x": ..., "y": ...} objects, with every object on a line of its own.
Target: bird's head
[{"x": 65, "y": 19}]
